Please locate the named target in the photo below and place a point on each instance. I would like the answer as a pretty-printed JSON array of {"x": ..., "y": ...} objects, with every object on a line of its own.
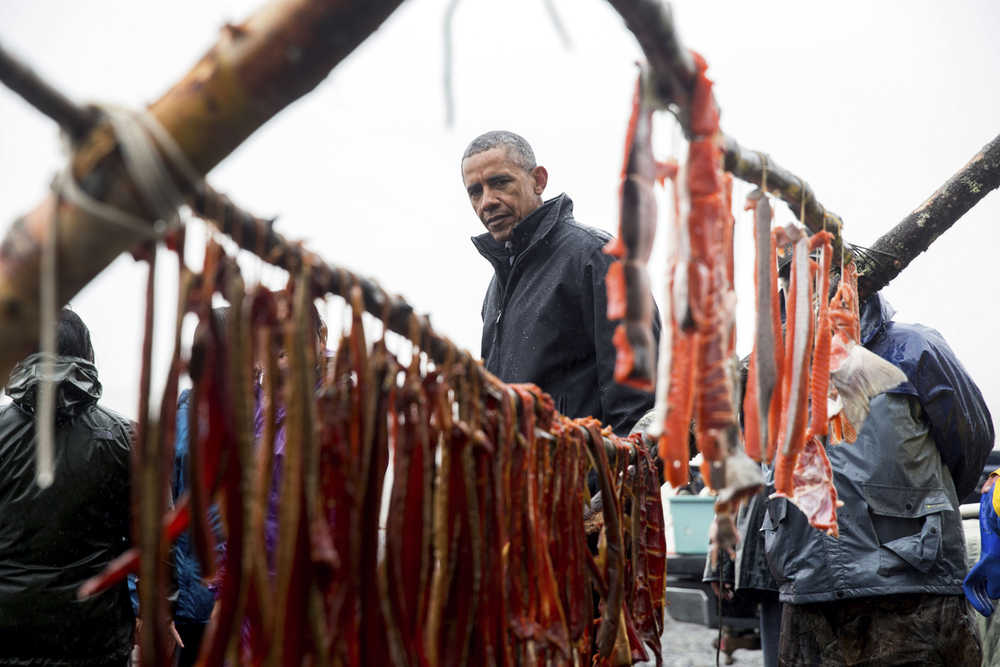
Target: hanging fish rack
[
  {"x": 101, "y": 166},
  {"x": 544, "y": 488},
  {"x": 673, "y": 75},
  {"x": 257, "y": 236},
  {"x": 309, "y": 26}
]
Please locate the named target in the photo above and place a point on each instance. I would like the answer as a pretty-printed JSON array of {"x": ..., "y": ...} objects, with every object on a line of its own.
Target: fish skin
[
  {"x": 741, "y": 478},
  {"x": 679, "y": 303},
  {"x": 765, "y": 347},
  {"x": 675, "y": 252},
  {"x": 673, "y": 442},
  {"x": 813, "y": 490},
  {"x": 856, "y": 373},
  {"x": 774, "y": 415},
  {"x": 742, "y": 475},
  {"x": 820, "y": 380},
  {"x": 860, "y": 377},
  {"x": 815, "y": 493},
  {"x": 797, "y": 347},
  {"x": 794, "y": 400},
  {"x": 767, "y": 367},
  {"x": 640, "y": 171},
  {"x": 664, "y": 365},
  {"x": 628, "y": 283},
  {"x": 638, "y": 201}
]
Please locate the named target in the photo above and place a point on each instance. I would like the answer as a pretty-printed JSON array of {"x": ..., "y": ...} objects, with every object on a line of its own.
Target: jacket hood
[
  {"x": 876, "y": 312},
  {"x": 75, "y": 378},
  {"x": 558, "y": 208}
]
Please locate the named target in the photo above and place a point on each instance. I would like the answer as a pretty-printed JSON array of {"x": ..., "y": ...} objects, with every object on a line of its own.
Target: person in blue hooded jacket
[
  {"x": 888, "y": 591},
  {"x": 982, "y": 584},
  {"x": 193, "y": 607}
]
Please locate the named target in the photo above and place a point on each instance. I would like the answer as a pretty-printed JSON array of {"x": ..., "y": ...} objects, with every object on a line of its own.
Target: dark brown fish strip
[
  {"x": 381, "y": 639},
  {"x": 608, "y": 629}
]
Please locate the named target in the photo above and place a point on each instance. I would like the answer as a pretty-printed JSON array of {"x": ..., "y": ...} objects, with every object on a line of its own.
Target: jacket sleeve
[
  {"x": 959, "y": 419},
  {"x": 172, "y": 590},
  {"x": 623, "y": 406},
  {"x": 179, "y": 483}
]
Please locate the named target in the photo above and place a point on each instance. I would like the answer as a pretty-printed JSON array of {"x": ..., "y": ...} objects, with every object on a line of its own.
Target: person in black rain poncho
[{"x": 53, "y": 539}]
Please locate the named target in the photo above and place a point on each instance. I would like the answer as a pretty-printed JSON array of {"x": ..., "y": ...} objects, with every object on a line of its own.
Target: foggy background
[{"x": 874, "y": 104}]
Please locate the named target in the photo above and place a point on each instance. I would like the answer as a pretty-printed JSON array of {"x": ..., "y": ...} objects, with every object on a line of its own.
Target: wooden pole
[
  {"x": 254, "y": 71},
  {"x": 76, "y": 121},
  {"x": 895, "y": 249},
  {"x": 256, "y": 235},
  {"x": 283, "y": 51},
  {"x": 673, "y": 74}
]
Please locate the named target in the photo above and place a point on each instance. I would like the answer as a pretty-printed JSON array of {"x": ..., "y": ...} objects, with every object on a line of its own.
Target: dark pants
[
  {"x": 770, "y": 629},
  {"x": 191, "y": 634},
  {"x": 905, "y": 629}
]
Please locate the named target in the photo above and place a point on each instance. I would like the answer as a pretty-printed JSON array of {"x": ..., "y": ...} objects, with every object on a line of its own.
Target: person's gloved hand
[{"x": 982, "y": 585}]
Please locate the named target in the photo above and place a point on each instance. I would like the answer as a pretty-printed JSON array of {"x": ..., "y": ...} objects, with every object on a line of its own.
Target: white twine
[
  {"x": 140, "y": 139},
  {"x": 67, "y": 187},
  {"x": 49, "y": 308}
]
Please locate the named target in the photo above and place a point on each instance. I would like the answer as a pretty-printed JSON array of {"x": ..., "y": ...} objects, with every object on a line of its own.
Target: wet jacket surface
[
  {"x": 194, "y": 599},
  {"x": 900, "y": 530},
  {"x": 274, "y": 495},
  {"x": 54, "y": 539},
  {"x": 544, "y": 316}
]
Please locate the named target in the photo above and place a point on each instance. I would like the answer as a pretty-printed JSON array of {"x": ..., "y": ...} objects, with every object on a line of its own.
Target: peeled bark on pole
[
  {"x": 255, "y": 69},
  {"x": 894, "y": 250}
]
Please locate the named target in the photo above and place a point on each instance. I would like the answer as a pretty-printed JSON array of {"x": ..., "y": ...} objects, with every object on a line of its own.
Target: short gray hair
[{"x": 517, "y": 148}]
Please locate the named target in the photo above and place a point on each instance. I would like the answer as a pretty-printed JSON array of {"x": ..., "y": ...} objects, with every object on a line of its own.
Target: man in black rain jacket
[
  {"x": 54, "y": 539},
  {"x": 545, "y": 312}
]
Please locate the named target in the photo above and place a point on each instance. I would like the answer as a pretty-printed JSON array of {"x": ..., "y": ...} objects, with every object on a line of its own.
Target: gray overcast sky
[{"x": 875, "y": 104}]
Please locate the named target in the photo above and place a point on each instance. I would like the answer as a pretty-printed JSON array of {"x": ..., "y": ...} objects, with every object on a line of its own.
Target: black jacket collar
[{"x": 535, "y": 227}]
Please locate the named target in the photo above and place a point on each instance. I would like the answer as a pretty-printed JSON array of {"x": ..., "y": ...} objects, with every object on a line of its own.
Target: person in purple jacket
[{"x": 271, "y": 518}]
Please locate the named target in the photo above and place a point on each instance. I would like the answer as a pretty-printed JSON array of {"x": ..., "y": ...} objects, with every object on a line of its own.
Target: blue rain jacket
[
  {"x": 194, "y": 600},
  {"x": 900, "y": 530},
  {"x": 959, "y": 420}
]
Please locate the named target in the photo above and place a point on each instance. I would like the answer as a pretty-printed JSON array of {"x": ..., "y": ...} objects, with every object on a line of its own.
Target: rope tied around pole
[{"x": 141, "y": 139}]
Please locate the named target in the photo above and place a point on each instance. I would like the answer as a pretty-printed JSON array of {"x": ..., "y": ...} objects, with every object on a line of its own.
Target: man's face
[{"x": 500, "y": 191}]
